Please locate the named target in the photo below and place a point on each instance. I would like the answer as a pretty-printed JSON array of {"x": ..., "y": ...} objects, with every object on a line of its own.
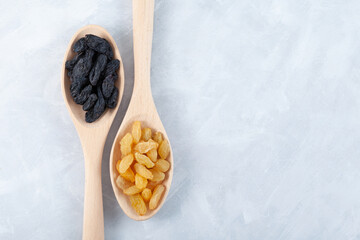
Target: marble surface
[{"x": 261, "y": 100}]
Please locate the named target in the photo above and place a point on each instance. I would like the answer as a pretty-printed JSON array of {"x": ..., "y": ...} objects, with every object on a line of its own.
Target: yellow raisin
[
  {"x": 136, "y": 131},
  {"x": 158, "y": 137},
  {"x": 143, "y": 171},
  {"x": 157, "y": 175},
  {"x": 140, "y": 181},
  {"x": 129, "y": 175},
  {"x": 117, "y": 165},
  {"x": 126, "y": 140},
  {"x": 125, "y": 163},
  {"x": 152, "y": 154},
  {"x": 164, "y": 149},
  {"x": 151, "y": 185},
  {"x": 138, "y": 204},
  {"x": 146, "y": 134},
  {"x": 154, "y": 200},
  {"x": 144, "y": 147},
  {"x": 125, "y": 149},
  {"x": 131, "y": 190},
  {"x": 140, "y": 158},
  {"x": 122, "y": 183},
  {"x": 162, "y": 165},
  {"x": 146, "y": 194}
]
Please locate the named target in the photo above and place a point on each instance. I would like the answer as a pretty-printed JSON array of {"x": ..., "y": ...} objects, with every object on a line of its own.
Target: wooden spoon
[
  {"x": 92, "y": 137},
  {"x": 141, "y": 107}
]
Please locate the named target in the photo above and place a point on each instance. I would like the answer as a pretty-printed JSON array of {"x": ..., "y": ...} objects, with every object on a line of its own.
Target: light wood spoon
[
  {"x": 92, "y": 137},
  {"x": 141, "y": 107}
]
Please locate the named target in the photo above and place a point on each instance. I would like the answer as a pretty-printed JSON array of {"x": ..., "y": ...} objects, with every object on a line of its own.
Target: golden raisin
[
  {"x": 136, "y": 131},
  {"x": 122, "y": 183},
  {"x": 144, "y": 147},
  {"x": 138, "y": 204},
  {"x": 154, "y": 200},
  {"x": 131, "y": 190},
  {"x": 162, "y": 165},
  {"x": 129, "y": 175},
  {"x": 157, "y": 175},
  {"x": 143, "y": 171},
  {"x": 117, "y": 165},
  {"x": 146, "y": 194},
  {"x": 164, "y": 149},
  {"x": 126, "y": 140},
  {"x": 151, "y": 185},
  {"x": 152, "y": 154},
  {"x": 125, "y": 149},
  {"x": 125, "y": 144},
  {"x": 125, "y": 163},
  {"x": 158, "y": 137},
  {"x": 140, "y": 181},
  {"x": 146, "y": 134},
  {"x": 140, "y": 158}
]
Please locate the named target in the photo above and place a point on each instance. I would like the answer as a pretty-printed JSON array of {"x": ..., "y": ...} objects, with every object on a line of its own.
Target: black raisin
[
  {"x": 83, "y": 66},
  {"x": 112, "y": 67},
  {"x": 112, "y": 100},
  {"x": 94, "y": 113},
  {"x": 84, "y": 95},
  {"x": 70, "y": 64},
  {"x": 80, "y": 45},
  {"x": 77, "y": 84},
  {"x": 98, "y": 67},
  {"x": 99, "y": 45},
  {"x": 108, "y": 85},
  {"x": 90, "y": 102}
]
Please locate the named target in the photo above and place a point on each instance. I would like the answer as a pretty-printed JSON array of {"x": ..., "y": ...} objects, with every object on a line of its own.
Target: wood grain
[
  {"x": 141, "y": 107},
  {"x": 92, "y": 137}
]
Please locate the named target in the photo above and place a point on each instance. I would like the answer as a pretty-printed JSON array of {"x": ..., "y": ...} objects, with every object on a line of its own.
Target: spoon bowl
[
  {"x": 92, "y": 136},
  {"x": 141, "y": 107}
]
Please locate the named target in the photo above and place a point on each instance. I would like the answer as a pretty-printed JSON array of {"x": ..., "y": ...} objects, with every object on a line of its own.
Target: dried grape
[
  {"x": 144, "y": 147},
  {"x": 138, "y": 204},
  {"x": 143, "y": 171},
  {"x": 158, "y": 137},
  {"x": 80, "y": 45},
  {"x": 142, "y": 159},
  {"x": 90, "y": 102},
  {"x": 99, "y": 66},
  {"x": 122, "y": 183},
  {"x": 112, "y": 67},
  {"x": 126, "y": 162},
  {"x": 99, "y": 45},
  {"x": 108, "y": 85},
  {"x": 152, "y": 154},
  {"x": 131, "y": 190},
  {"x": 94, "y": 113},
  {"x": 129, "y": 175},
  {"x": 154, "y": 200},
  {"x": 164, "y": 149},
  {"x": 140, "y": 181},
  {"x": 136, "y": 131},
  {"x": 162, "y": 165},
  {"x": 146, "y": 134},
  {"x": 157, "y": 175},
  {"x": 112, "y": 100},
  {"x": 84, "y": 95},
  {"x": 146, "y": 194}
]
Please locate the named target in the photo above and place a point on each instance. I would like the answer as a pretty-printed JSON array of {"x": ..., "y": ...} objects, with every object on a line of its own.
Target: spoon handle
[
  {"x": 143, "y": 18},
  {"x": 93, "y": 225}
]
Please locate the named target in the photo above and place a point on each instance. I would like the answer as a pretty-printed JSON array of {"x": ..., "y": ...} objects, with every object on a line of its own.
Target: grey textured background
[{"x": 260, "y": 100}]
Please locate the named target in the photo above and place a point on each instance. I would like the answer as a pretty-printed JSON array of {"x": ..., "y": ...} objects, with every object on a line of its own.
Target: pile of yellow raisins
[{"x": 142, "y": 167}]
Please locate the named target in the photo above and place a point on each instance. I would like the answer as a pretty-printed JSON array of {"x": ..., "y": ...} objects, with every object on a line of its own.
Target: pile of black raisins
[{"x": 92, "y": 75}]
